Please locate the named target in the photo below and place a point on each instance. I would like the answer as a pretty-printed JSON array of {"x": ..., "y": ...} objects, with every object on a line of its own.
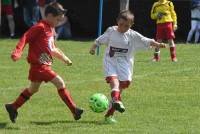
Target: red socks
[
  {"x": 64, "y": 94},
  {"x": 115, "y": 97},
  {"x": 66, "y": 97},
  {"x": 156, "y": 56},
  {"x": 110, "y": 111},
  {"x": 23, "y": 97},
  {"x": 173, "y": 52}
]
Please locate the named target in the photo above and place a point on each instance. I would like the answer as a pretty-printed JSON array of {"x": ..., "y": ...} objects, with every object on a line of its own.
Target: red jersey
[{"x": 40, "y": 38}]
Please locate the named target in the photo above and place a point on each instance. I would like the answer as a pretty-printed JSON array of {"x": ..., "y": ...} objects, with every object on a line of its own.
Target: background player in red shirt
[{"x": 42, "y": 49}]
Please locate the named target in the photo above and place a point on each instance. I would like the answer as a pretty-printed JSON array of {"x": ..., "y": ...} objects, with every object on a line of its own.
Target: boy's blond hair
[{"x": 126, "y": 15}]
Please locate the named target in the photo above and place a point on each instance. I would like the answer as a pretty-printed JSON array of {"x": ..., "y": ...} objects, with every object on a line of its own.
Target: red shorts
[
  {"x": 122, "y": 84},
  {"x": 7, "y": 9},
  {"x": 39, "y": 73},
  {"x": 165, "y": 31}
]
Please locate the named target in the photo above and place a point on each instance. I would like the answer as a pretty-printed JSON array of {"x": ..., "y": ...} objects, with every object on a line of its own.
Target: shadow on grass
[
  {"x": 66, "y": 121},
  {"x": 3, "y": 125}
]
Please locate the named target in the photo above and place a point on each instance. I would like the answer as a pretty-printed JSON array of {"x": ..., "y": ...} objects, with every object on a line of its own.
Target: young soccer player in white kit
[{"x": 121, "y": 42}]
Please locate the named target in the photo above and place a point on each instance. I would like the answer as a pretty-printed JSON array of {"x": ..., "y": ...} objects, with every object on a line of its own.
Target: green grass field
[{"x": 163, "y": 99}]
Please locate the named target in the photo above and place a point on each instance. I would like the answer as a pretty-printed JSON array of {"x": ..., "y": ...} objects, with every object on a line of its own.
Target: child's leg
[
  {"x": 23, "y": 97},
  {"x": 157, "y": 52},
  {"x": 115, "y": 93},
  {"x": 172, "y": 50},
  {"x": 64, "y": 93},
  {"x": 122, "y": 86},
  {"x": 26, "y": 94},
  {"x": 66, "y": 97}
]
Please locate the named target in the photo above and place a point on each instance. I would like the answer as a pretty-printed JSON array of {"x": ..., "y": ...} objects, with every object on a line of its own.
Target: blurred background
[{"x": 83, "y": 17}]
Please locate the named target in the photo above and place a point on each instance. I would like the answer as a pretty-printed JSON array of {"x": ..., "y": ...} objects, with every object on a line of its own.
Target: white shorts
[{"x": 118, "y": 66}]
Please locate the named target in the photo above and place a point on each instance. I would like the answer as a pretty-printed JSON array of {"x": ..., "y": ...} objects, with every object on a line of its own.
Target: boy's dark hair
[
  {"x": 126, "y": 15},
  {"x": 55, "y": 9}
]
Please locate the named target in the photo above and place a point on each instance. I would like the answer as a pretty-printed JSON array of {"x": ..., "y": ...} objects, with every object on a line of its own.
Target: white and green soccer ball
[{"x": 98, "y": 102}]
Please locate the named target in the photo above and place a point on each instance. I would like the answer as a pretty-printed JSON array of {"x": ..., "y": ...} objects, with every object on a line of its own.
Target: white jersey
[{"x": 119, "y": 54}]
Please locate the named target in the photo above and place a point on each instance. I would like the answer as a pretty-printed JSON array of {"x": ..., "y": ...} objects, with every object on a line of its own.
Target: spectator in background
[
  {"x": 31, "y": 12},
  {"x": 195, "y": 21},
  {"x": 7, "y": 9},
  {"x": 63, "y": 30},
  {"x": 42, "y": 5},
  {"x": 124, "y": 5}
]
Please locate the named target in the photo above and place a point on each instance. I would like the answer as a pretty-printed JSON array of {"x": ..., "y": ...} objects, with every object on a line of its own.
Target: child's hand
[
  {"x": 92, "y": 51},
  {"x": 175, "y": 27},
  {"x": 68, "y": 62},
  {"x": 15, "y": 55},
  {"x": 159, "y": 15},
  {"x": 162, "y": 45},
  {"x": 157, "y": 44}
]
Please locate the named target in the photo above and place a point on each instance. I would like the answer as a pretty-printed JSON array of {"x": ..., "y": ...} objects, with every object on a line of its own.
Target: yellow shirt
[{"x": 166, "y": 8}]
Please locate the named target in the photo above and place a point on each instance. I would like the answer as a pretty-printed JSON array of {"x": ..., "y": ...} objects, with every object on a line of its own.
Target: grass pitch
[{"x": 163, "y": 99}]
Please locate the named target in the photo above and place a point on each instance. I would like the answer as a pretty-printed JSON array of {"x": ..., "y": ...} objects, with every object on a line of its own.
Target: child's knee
[
  {"x": 33, "y": 90},
  {"x": 58, "y": 82},
  {"x": 109, "y": 79}
]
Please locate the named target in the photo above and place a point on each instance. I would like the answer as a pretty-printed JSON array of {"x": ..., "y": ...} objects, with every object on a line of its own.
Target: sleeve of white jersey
[
  {"x": 104, "y": 38},
  {"x": 140, "y": 42}
]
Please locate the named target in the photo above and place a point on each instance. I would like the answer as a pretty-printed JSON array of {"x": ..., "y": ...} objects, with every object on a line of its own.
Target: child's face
[
  {"x": 123, "y": 25},
  {"x": 54, "y": 20}
]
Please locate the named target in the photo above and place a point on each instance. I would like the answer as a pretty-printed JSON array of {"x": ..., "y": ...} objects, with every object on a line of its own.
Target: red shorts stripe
[
  {"x": 39, "y": 73},
  {"x": 165, "y": 31}
]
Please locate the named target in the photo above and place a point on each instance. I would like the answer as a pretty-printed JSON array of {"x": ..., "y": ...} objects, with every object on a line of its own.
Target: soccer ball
[{"x": 98, "y": 102}]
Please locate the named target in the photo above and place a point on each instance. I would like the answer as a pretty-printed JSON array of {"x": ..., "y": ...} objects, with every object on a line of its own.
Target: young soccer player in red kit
[
  {"x": 163, "y": 12},
  {"x": 41, "y": 51}
]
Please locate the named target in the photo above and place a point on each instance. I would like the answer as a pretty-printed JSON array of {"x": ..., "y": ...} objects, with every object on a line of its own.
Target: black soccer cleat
[
  {"x": 12, "y": 112},
  {"x": 78, "y": 113},
  {"x": 118, "y": 105}
]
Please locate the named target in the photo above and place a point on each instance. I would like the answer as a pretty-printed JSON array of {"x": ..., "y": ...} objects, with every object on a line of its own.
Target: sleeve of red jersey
[{"x": 31, "y": 34}]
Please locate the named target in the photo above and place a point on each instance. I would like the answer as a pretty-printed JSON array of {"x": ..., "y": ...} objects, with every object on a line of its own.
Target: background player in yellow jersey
[{"x": 163, "y": 12}]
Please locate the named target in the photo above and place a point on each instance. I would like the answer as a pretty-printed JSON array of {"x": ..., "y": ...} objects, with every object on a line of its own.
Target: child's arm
[
  {"x": 174, "y": 17},
  {"x": 154, "y": 43},
  {"x": 17, "y": 52},
  {"x": 32, "y": 33},
  {"x": 103, "y": 39},
  {"x": 92, "y": 49},
  {"x": 141, "y": 42},
  {"x": 153, "y": 13},
  {"x": 56, "y": 52}
]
